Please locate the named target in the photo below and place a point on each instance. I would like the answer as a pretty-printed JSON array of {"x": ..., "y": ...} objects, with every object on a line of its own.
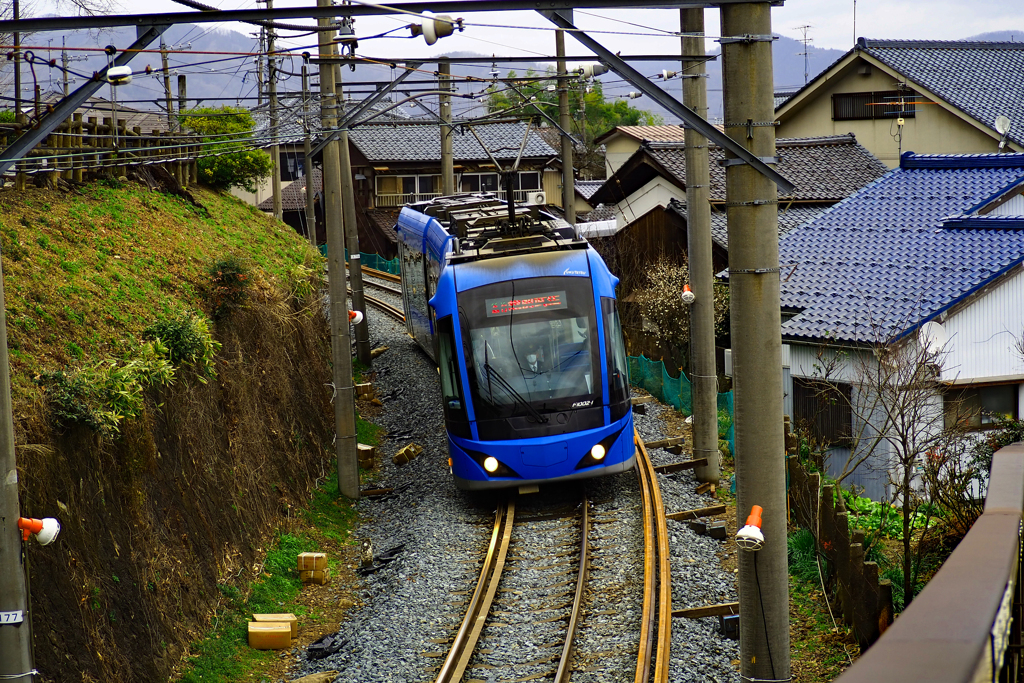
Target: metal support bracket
[
  {"x": 563, "y": 19},
  {"x": 756, "y": 202},
  {"x": 753, "y": 271},
  {"x": 748, "y": 38}
]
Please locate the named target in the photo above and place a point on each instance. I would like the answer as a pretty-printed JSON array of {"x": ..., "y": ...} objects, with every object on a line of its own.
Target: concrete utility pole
[
  {"x": 15, "y": 638},
  {"x": 703, "y": 376},
  {"x": 444, "y": 84},
  {"x": 341, "y": 345},
  {"x": 348, "y": 199},
  {"x": 568, "y": 177},
  {"x": 182, "y": 94},
  {"x": 307, "y": 161},
  {"x": 752, "y": 204},
  {"x": 17, "y": 63},
  {"x": 275, "y": 149},
  {"x": 167, "y": 85}
]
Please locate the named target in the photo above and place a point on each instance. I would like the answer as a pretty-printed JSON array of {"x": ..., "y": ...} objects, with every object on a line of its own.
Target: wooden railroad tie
[
  {"x": 664, "y": 443},
  {"x": 723, "y": 610},
  {"x": 640, "y": 400},
  {"x": 682, "y": 465},
  {"x": 697, "y": 513}
]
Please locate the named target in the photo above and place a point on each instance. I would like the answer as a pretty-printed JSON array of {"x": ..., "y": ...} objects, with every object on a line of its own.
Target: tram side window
[
  {"x": 451, "y": 387},
  {"x": 618, "y": 370}
]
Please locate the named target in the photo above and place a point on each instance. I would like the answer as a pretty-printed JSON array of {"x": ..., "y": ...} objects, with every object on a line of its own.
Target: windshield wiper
[{"x": 495, "y": 376}]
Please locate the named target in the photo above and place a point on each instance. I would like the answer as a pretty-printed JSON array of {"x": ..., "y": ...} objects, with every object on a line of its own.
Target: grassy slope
[{"x": 85, "y": 272}]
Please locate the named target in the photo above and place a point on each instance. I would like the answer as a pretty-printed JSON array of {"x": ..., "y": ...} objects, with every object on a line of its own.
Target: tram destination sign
[{"x": 547, "y": 301}]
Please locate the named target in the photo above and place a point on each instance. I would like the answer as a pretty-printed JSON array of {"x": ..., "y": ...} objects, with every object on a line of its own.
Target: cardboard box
[
  {"x": 320, "y": 576},
  {"x": 280, "y": 619},
  {"x": 309, "y": 562},
  {"x": 269, "y": 635}
]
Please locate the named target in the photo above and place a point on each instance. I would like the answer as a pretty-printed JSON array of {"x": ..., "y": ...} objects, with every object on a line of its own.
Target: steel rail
[
  {"x": 381, "y": 275},
  {"x": 390, "y": 290},
  {"x": 565, "y": 663},
  {"x": 656, "y": 624},
  {"x": 480, "y": 605},
  {"x": 393, "y": 311}
]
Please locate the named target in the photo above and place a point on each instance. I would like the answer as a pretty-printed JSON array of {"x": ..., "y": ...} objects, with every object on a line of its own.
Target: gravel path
[{"x": 412, "y": 606}]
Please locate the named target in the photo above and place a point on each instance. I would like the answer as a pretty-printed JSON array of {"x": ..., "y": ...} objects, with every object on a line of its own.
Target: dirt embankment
[{"x": 157, "y": 521}]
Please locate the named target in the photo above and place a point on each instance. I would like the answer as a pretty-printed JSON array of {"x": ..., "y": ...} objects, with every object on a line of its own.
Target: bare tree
[{"x": 901, "y": 427}]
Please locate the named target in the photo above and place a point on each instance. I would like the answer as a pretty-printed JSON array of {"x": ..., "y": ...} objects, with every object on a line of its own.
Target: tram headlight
[
  {"x": 597, "y": 452},
  {"x": 491, "y": 464}
]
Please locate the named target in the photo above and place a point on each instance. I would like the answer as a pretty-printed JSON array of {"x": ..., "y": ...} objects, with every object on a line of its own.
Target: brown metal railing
[{"x": 964, "y": 627}]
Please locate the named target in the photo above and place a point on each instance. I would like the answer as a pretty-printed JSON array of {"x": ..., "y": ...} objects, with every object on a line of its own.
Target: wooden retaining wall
[{"x": 865, "y": 600}]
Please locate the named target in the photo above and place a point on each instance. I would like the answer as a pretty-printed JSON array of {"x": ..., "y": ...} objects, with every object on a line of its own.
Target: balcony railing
[{"x": 384, "y": 201}]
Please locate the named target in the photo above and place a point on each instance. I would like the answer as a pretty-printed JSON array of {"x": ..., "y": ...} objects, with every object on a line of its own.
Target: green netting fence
[
  {"x": 652, "y": 376},
  {"x": 374, "y": 261}
]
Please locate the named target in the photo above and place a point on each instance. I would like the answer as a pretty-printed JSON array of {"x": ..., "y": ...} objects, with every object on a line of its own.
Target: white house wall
[
  {"x": 1013, "y": 207},
  {"x": 657, "y": 192},
  {"x": 982, "y": 336}
]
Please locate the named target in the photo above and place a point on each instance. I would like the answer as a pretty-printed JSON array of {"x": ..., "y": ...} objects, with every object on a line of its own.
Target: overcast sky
[{"x": 831, "y": 22}]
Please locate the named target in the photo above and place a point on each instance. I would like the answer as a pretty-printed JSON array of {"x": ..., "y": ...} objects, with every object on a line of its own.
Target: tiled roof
[
  {"x": 658, "y": 133},
  {"x": 293, "y": 195},
  {"x": 587, "y": 188},
  {"x": 418, "y": 142},
  {"x": 982, "y": 79},
  {"x": 600, "y": 213},
  {"x": 822, "y": 169},
  {"x": 884, "y": 261},
  {"x": 384, "y": 221}
]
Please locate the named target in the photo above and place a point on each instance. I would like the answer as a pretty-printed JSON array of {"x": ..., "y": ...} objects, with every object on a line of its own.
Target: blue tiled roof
[{"x": 888, "y": 258}]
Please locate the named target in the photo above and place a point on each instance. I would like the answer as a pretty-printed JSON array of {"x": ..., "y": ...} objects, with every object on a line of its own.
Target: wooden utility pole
[
  {"x": 182, "y": 94},
  {"x": 275, "y": 149},
  {"x": 703, "y": 376},
  {"x": 444, "y": 84},
  {"x": 64, "y": 63},
  {"x": 752, "y": 205},
  {"x": 307, "y": 161},
  {"x": 167, "y": 85},
  {"x": 341, "y": 345},
  {"x": 564, "y": 122},
  {"x": 355, "y": 267}
]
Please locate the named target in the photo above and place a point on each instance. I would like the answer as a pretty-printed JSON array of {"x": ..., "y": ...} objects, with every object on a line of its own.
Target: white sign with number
[{"x": 15, "y": 617}]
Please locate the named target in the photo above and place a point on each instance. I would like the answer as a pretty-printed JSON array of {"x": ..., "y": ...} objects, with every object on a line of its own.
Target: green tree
[
  {"x": 591, "y": 114},
  {"x": 229, "y": 161}
]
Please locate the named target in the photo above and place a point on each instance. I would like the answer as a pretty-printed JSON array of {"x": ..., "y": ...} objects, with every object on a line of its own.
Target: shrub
[
  {"x": 802, "y": 554},
  {"x": 188, "y": 340},
  {"x": 230, "y": 278},
  {"x": 103, "y": 395}
]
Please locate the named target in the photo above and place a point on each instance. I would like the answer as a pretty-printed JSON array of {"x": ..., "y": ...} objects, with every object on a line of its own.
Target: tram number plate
[{"x": 15, "y": 617}]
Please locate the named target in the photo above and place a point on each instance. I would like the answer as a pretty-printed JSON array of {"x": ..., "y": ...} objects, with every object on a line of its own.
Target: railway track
[{"x": 655, "y": 627}]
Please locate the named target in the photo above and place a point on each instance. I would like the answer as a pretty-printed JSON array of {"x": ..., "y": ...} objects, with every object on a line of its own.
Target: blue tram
[{"x": 519, "y": 314}]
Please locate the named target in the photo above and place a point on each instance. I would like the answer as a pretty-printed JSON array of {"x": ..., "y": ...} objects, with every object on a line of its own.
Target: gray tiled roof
[
  {"x": 419, "y": 142},
  {"x": 587, "y": 188},
  {"x": 824, "y": 169},
  {"x": 982, "y": 79}
]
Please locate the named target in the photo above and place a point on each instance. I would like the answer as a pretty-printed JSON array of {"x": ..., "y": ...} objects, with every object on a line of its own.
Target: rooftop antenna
[
  {"x": 806, "y": 41},
  {"x": 1003, "y": 128},
  {"x": 855, "y": 23}
]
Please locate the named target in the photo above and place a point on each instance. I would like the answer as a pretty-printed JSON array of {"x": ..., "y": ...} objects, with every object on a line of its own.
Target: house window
[
  {"x": 981, "y": 407},
  {"x": 885, "y": 104},
  {"x": 529, "y": 180},
  {"x": 291, "y": 165},
  {"x": 823, "y": 408}
]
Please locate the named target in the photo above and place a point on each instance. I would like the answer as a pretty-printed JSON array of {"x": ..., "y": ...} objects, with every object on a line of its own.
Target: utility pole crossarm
[
  {"x": 67, "y": 106},
  {"x": 563, "y": 19}
]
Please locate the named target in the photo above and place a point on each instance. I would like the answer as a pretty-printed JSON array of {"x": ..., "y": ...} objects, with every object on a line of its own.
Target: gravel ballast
[{"x": 411, "y": 607}]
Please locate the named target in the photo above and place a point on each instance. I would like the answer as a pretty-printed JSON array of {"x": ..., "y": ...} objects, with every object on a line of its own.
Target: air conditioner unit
[{"x": 536, "y": 199}]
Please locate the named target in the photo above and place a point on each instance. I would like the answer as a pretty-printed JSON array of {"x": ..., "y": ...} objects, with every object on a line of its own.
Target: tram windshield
[{"x": 531, "y": 348}]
